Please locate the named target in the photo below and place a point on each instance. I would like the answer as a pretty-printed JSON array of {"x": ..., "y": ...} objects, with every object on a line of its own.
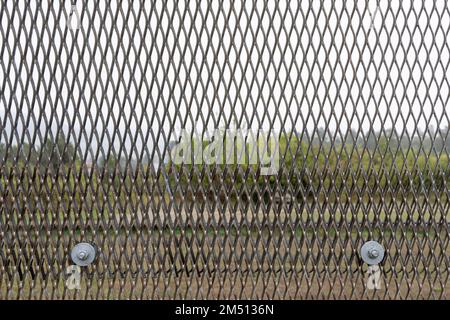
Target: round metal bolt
[
  {"x": 83, "y": 254},
  {"x": 372, "y": 252}
]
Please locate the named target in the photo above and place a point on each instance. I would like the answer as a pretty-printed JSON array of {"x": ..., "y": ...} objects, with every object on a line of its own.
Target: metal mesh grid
[{"x": 92, "y": 94}]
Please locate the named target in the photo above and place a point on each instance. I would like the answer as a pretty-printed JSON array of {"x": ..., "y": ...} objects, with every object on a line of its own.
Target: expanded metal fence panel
[{"x": 116, "y": 121}]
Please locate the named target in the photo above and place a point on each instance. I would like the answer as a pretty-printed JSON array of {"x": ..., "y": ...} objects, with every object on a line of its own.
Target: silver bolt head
[
  {"x": 374, "y": 253},
  {"x": 83, "y": 255}
]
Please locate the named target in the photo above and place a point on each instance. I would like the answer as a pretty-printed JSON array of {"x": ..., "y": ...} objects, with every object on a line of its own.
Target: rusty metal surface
[{"x": 93, "y": 96}]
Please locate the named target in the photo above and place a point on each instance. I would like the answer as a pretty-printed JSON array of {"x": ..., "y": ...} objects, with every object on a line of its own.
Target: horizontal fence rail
[{"x": 224, "y": 149}]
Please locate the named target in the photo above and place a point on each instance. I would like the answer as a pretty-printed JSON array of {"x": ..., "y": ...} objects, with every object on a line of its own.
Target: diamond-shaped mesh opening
[{"x": 95, "y": 97}]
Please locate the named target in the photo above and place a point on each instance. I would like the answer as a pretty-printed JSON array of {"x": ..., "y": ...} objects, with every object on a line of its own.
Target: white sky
[{"x": 317, "y": 61}]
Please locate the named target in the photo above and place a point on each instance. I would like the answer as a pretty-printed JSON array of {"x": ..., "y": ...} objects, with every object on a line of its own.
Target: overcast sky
[{"x": 159, "y": 66}]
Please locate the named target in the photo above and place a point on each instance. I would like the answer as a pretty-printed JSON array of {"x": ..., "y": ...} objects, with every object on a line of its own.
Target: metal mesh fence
[{"x": 100, "y": 99}]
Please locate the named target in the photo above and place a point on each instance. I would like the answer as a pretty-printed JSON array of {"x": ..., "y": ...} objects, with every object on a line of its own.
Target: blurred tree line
[
  {"x": 308, "y": 165},
  {"x": 377, "y": 163},
  {"x": 59, "y": 151},
  {"x": 52, "y": 154}
]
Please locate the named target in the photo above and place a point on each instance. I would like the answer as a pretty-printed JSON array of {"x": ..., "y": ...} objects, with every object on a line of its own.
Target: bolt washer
[
  {"x": 83, "y": 254},
  {"x": 372, "y": 252}
]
